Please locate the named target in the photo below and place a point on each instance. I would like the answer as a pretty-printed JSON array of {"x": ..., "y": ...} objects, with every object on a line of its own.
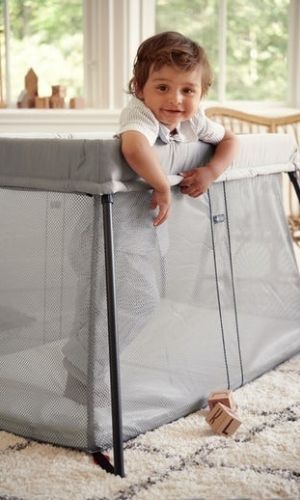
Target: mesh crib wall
[
  {"x": 210, "y": 299},
  {"x": 37, "y": 304}
]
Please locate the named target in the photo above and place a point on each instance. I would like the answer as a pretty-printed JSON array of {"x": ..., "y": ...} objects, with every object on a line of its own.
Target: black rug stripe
[
  {"x": 16, "y": 447},
  {"x": 5, "y": 497}
]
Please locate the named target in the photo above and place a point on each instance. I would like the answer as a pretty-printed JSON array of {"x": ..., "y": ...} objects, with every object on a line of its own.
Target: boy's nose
[{"x": 175, "y": 97}]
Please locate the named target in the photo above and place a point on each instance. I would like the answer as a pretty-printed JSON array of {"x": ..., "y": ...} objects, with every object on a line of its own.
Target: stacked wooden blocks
[{"x": 221, "y": 416}]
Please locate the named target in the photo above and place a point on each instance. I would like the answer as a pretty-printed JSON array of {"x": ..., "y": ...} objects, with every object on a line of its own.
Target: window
[
  {"x": 247, "y": 43},
  {"x": 47, "y": 37},
  {"x": 89, "y": 46}
]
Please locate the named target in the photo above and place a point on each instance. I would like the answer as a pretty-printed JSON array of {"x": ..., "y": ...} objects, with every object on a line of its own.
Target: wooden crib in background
[{"x": 242, "y": 122}]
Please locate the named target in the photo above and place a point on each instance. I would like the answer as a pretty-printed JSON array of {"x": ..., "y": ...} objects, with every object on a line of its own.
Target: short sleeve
[
  {"x": 207, "y": 130},
  {"x": 137, "y": 117}
]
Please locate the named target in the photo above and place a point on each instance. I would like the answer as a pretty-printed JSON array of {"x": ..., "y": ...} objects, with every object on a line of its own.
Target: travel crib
[{"x": 110, "y": 327}]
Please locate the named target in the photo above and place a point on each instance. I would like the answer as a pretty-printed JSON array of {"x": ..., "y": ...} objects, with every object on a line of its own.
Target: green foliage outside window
[
  {"x": 257, "y": 46},
  {"x": 257, "y": 38}
]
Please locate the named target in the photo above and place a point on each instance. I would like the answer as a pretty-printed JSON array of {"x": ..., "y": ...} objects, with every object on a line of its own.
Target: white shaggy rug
[{"x": 181, "y": 460}]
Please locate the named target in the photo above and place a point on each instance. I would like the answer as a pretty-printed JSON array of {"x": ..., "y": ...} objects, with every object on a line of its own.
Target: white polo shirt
[{"x": 137, "y": 117}]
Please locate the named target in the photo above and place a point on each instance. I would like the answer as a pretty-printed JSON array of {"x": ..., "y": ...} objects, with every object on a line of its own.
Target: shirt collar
[{"x": 166, "y": 136}]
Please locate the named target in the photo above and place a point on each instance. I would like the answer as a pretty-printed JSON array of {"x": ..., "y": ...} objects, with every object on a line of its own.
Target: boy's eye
[
  {"x": 188, "y": 91},
  {"x": 162, "y": 88}
]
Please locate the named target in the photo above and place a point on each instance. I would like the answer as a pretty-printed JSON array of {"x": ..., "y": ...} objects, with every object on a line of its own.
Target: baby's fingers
[
  {"x": 188, "y": 173},
  {"x": 193, "y": 191},
  {"x": 161, "y": 216}
]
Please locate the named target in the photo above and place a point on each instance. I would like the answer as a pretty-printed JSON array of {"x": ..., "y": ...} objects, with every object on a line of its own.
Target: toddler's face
[{"x": 172, "y": 95}]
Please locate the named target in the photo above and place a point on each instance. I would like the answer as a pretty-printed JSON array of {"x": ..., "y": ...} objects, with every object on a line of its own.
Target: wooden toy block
[
  {"x": 25, "y": 101},
  {"x": 77, "y": 103},
  {"x": 27, "y": 96},
  {"x": 31, "y": 83},
  {"x": 223, "y": 396},
  {"x": 222, "y": 420},
  {"x": 42, "y": 102},
  {"x": 58, "y": 90},
  {"x": 57, "y": 102}
]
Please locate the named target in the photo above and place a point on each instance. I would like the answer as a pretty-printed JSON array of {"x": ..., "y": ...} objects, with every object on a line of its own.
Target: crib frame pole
[
  {"x": 114, "y": 365},
  {"x": 294, "y": 180}
]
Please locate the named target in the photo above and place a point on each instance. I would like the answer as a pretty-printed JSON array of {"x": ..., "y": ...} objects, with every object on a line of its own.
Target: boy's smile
[{"x": 172, "y": 95}]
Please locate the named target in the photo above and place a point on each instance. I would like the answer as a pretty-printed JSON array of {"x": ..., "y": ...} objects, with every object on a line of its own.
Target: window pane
[
  {"x": 257, "y": 38},
  {"x": 47, "y": 37},
  {"x": 197, "y": 19}
]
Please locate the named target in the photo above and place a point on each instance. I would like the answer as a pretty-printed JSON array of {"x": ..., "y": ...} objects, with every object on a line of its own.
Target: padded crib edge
[{"x": 96, "y": 166}]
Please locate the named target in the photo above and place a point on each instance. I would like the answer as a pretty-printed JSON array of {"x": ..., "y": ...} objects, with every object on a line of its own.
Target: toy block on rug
[
  {"x": 223, "y": 396},
  {"x": 223, "y": 420}
]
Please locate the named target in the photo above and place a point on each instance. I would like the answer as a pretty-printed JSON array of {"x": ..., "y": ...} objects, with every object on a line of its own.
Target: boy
[{"x": 171, "y": 74}]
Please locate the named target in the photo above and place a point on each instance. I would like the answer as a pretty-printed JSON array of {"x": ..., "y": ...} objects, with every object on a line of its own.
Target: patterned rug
[{"x": 182, "y": 460}]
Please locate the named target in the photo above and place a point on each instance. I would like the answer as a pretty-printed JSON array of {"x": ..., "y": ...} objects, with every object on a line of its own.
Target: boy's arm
[
  {"x": 142, "y": 159},
  {"x": 198, "y": 180}
]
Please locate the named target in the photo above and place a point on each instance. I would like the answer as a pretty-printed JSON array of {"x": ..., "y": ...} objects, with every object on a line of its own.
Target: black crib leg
[
  {"x": 294, "y": 180},
  {"x": 107, "y": 201}
]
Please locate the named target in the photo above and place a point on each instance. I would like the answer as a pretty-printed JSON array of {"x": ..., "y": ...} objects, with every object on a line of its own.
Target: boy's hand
[
  {"x": 196, "y": 181},
  {"x": 162, "y": 200}
]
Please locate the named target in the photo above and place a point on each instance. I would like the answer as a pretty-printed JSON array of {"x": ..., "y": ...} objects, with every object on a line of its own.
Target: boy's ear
[{"x": 139, "y": 93}]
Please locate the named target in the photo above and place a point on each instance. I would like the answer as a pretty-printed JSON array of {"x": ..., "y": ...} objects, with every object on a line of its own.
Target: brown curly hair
[{"x": 172, "y": 49}]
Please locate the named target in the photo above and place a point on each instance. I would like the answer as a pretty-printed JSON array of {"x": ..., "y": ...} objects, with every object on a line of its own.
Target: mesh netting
[{"x": 208, "y": 300}]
